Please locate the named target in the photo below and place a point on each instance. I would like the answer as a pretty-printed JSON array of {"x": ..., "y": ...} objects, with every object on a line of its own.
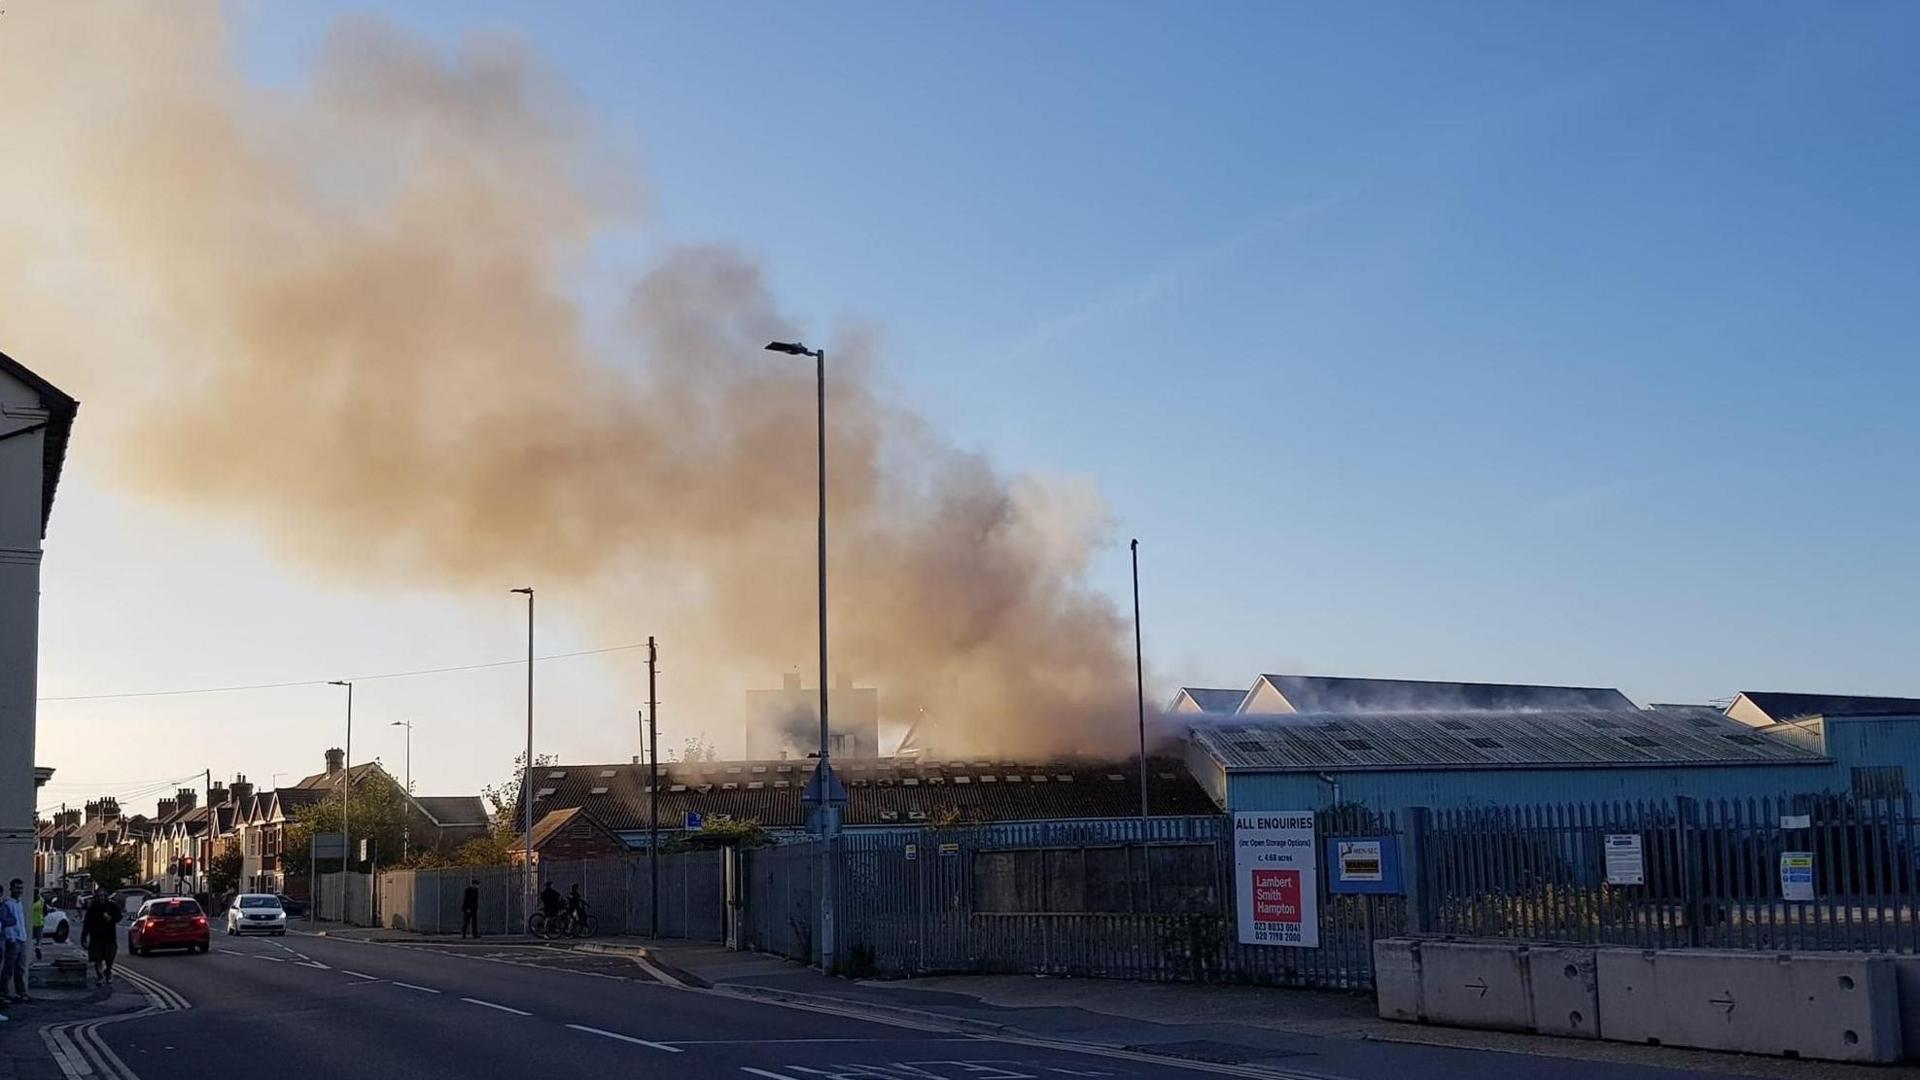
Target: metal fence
[
  {"x": 1711, "y": 873},
  {"x": 619, "y": 891},
  {"x": 1121, "y": 898}
]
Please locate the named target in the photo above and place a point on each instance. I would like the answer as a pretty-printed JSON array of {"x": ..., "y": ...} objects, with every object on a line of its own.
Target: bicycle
[{"x": 564, "y": 924}]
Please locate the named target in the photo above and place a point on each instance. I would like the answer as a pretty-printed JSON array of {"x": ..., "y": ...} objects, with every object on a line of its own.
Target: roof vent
[
  {"x": 607, "y": 774},
  {"x": 1065, "y": 778},
  {"x": 677, "y": 787},
  {"x": 889, "y": 815},
  {"x": 963, "y": 779},
  {"x": 597, "y": 791},
  {"x": 1485, "y": 743},
  {"x": 557, "y": 774},
  {"x": 917, "y": 815},
  {"x": 989, "y": 778},
  {"x": 781, "y": 784},
  {"x": 544, "y": 793},
  {"x": 756, "y": 785}
]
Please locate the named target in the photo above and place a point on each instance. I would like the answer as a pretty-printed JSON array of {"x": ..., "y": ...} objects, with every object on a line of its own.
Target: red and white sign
[{"x": 1276, "y": 879}]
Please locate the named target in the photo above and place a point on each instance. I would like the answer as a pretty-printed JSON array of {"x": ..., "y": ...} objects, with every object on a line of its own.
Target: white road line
[
  {"x": 357, "y": 975},
  {"x": 502, "y": 1008},
  {"x": 268, "y": 959},
  {"x": 624, "y": 1038},
  {"x": 315, "y": 964},
  {"x": 410, "y": 986},
  {"x": 765, "y": 1073}
]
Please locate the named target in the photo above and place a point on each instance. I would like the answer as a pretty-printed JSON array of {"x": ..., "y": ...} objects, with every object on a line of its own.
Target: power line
[
  {"x": 129, "y": 795},
  {"x": 356, "y": 678}
]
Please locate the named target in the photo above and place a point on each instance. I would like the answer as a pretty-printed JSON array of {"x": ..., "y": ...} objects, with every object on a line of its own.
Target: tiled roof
[
  {"x": 323, "y": 780},
  {"x": 1372, "y": 741},
  {"x": 453, "y": 809},
  {"x": 1784, "y": 706},
  {"x": 881, "y": 791},
  {"x": 1332, "y": 694}
]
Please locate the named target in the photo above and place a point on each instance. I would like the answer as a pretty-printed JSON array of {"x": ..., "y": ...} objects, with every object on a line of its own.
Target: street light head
[
  {"x": 791, "y": 348},
  {"x": 524, "y": 592},
  {"x": 338, "y": 682},
  {"x": 401, "y": 723}
]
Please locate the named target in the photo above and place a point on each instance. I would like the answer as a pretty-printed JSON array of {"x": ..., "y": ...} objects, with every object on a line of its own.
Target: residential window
[{"x": 1118, "y": 879}]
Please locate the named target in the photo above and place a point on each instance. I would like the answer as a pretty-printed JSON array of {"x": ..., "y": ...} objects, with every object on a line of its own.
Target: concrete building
[
  {"x": 786, "y": 722},
  {"x": 36, "y": 419}
]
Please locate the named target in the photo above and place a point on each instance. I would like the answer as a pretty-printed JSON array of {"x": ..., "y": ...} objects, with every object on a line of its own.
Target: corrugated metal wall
[{"x": 1452, "y": 788}]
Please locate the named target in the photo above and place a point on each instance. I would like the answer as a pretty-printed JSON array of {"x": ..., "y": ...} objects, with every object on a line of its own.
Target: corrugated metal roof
[
  {"x": 1337, "y": 694},
  {"x": 1548, "y": 738},
  {"x": 1783, "y": 706},
  {"x": 1211, "y": 700}
]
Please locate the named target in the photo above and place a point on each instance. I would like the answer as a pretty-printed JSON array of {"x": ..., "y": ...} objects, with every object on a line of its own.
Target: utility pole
[
  {"x": 1139, "y": 678},
  {"x": 526, "y": 777},
  {"x": 406, "y": 808},
  {"x": 653, "y": 790},
  {"x": 346, "y": 802}
]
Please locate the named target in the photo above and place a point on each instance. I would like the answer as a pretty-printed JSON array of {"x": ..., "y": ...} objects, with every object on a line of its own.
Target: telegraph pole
[
  {"x": 1139, "y": 678},
  {"x": 653, "y": 789}
]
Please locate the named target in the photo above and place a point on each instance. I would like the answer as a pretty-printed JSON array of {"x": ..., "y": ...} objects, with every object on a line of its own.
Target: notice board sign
[
  {"x": 1276, "y": 879},
  {"x": 1364, "y": 864},
  {"x": 1796, "y": 875},
  {"x": 1626, "y": 859}
]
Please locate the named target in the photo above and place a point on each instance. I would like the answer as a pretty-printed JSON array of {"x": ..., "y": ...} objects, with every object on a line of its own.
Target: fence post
[
  {"x": 1413, "y": 869},
  {"x": 1690, "y": 884}
]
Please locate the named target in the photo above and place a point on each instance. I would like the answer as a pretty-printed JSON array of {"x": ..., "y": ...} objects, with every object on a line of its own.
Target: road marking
[
  {"x": 765, "y": 1073},
  {"x": 411, "y": 986},
  {"x": 315, "y": 964},
  {"x": 502, "y": 1008},
  {"x": 268, "y": 959},
  {"x": 357, "y": 975},
  {"x": 625, "y": 1038}
]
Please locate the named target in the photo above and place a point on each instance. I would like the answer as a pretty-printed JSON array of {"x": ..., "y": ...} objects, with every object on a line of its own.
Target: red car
[{"x": 169, "y": 922}]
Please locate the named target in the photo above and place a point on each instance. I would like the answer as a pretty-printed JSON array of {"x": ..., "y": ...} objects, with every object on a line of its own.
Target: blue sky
[{"x": 1521, "y": 342}]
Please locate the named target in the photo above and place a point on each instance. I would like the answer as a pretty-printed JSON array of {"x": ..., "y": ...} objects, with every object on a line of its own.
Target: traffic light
[{"x": 186, "y": 865}]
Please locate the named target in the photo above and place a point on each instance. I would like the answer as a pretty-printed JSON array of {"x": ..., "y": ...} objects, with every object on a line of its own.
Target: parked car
[
  {"x": 131, "y": 899},
  {"x": 58, "y": 926},
  {"x": 256, "y": 913},
  {"x": 169, "y": 922},
  {"x": 293, "y": 908}
]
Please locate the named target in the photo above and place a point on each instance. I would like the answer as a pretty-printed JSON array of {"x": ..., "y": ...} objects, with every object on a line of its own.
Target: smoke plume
[{"x": 346, "y": 305}]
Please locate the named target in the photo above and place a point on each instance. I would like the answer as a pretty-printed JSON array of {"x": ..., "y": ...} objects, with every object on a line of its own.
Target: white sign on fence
[
  {"x": 1361, "y": 860},
  {"x": 1796, "y": 875},
  {"x": 1626, "y": 859},
  {"x": 1276, "y": 876}
]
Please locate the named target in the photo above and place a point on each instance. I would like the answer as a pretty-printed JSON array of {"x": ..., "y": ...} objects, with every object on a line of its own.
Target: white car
[
  {"x": 256, "y": 913},
  {"x": 58, "y": 926}
]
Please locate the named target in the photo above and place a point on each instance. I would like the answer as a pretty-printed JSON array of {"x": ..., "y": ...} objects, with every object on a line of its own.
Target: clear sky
[{"x": 1518, "y": 342}]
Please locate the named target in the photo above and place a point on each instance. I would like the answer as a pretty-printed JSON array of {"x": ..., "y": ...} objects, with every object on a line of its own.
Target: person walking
[
  {"x": 13, "y": 943},
  {"x": 100, "y": 935},
  {"x": 470, "y": 909},
  {"x": 37, "y": 919}
]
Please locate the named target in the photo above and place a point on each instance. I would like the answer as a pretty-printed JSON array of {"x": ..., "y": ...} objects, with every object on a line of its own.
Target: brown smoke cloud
[{"x": 354, "y": 331}]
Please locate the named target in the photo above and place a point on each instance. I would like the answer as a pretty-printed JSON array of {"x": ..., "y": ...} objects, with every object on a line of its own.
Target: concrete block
[
  {"x": 1832, "y": 1006},
  {"x": 1906, "y": 977},
  {"x": 1565, "y": 991},
  {"x": 1629, "y": 996},
  {"x": 1396, "y": 979},
  {"x": 1475, "y": 984}
]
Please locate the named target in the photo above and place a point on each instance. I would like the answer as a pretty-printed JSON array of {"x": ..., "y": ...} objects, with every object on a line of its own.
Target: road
[{"x": 348, "y": 1010}]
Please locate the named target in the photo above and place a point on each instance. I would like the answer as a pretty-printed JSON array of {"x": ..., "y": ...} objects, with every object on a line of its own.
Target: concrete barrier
[
  {"x": 1564, "y": 989},
  {"x": 1906, "y": 976},
  {"x": 1475, "y": 984},
  {"x": 1837, "y": 1007},
  {"x": 1396, "y": 979}
]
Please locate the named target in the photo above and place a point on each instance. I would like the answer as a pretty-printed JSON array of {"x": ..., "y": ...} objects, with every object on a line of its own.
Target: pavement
[{"x": 371, "y": 1004}]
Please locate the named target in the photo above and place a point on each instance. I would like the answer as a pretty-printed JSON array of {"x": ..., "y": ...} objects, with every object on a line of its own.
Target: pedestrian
[
  {"x": 470, "y": 909},
  {"x": 13, "y": 943},
  {"x": 37, "y": 918},
  {"x": 100, "y": 934}
]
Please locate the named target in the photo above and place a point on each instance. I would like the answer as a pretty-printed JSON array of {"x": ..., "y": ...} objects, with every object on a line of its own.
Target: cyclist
[
  {"x": 550, "y": 902},
  {"x": 576, "y": 905}
]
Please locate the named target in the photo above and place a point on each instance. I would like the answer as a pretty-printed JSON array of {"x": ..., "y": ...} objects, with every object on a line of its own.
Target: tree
[
  {"x": 494, "y": 849},
  {"x": 113, "y": 870},
  {"x": 505, "y": 796},
  {"x": 378, "y": 812},
  {"x": 223, "y": 873}
]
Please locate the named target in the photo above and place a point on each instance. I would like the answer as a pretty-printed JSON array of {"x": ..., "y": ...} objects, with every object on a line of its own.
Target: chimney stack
[
  {"x": 217, "y": 794},
  {"x": 165, "y": 808},
  {"x": 187, "y": 797},
  {"x": 93, "y": 809},
  {"x": 109, "y": 808},
  {"x": 336, "y": 761},
  {"x": 241, "y": 787}
]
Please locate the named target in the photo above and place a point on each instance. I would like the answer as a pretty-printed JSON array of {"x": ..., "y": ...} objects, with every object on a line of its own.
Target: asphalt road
[{"x": 345, "y": 1010}]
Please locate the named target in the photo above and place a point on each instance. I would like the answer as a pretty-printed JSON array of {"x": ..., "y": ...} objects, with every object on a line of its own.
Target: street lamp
[
  {"x": 406, "y": 823},
  {"x": 526, "y": 777},
  {"x": 346, "y": 780},
  {"x": 824, "y": 790}
]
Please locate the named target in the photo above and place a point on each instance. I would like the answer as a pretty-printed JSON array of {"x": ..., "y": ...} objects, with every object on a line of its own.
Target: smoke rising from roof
[{"x": 347, "y": 302}]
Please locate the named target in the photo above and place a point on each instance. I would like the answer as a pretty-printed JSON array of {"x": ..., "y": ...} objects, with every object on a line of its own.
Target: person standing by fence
[
  {"x": 470, "y": 909},
  {"x": 13, "y": 937}
]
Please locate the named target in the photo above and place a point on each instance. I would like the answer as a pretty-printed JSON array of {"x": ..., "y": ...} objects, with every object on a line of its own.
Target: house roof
[
  {"x": 881, "y": 791},
  {"x": 1332, "y": 694},
  {"x": 61, "y": 410},
  {"x": 453, "y": 809},
  {"x": 1481, "y": 740},
  {"x": 1783, "y": 706},
  {"x": 1209, "y": 700},
  {"x": 324, "y": 780},
  {"x": 549, "y": 826}
]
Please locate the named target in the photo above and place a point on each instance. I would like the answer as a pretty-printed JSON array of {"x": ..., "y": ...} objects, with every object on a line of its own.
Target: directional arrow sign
[
  {"x": 1725, "y": 1003},
  {"x": 1480, "y": 985}
]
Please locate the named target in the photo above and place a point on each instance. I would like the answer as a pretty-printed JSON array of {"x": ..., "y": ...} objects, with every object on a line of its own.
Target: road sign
[
  {"x": 329, "y": 845},
  {"x": 1276, "y": 879},
  {"x": 694, "y": 821}
]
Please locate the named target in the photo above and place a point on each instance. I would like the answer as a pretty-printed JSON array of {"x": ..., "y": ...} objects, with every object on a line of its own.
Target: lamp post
[
  {"x": 825, "y": 788},
  {"x": 346, "y": 777},
  {"x": 1139, "y": 678},
  {"x": 526, "y": 777},
  {"x": 406, "y": 822}
]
